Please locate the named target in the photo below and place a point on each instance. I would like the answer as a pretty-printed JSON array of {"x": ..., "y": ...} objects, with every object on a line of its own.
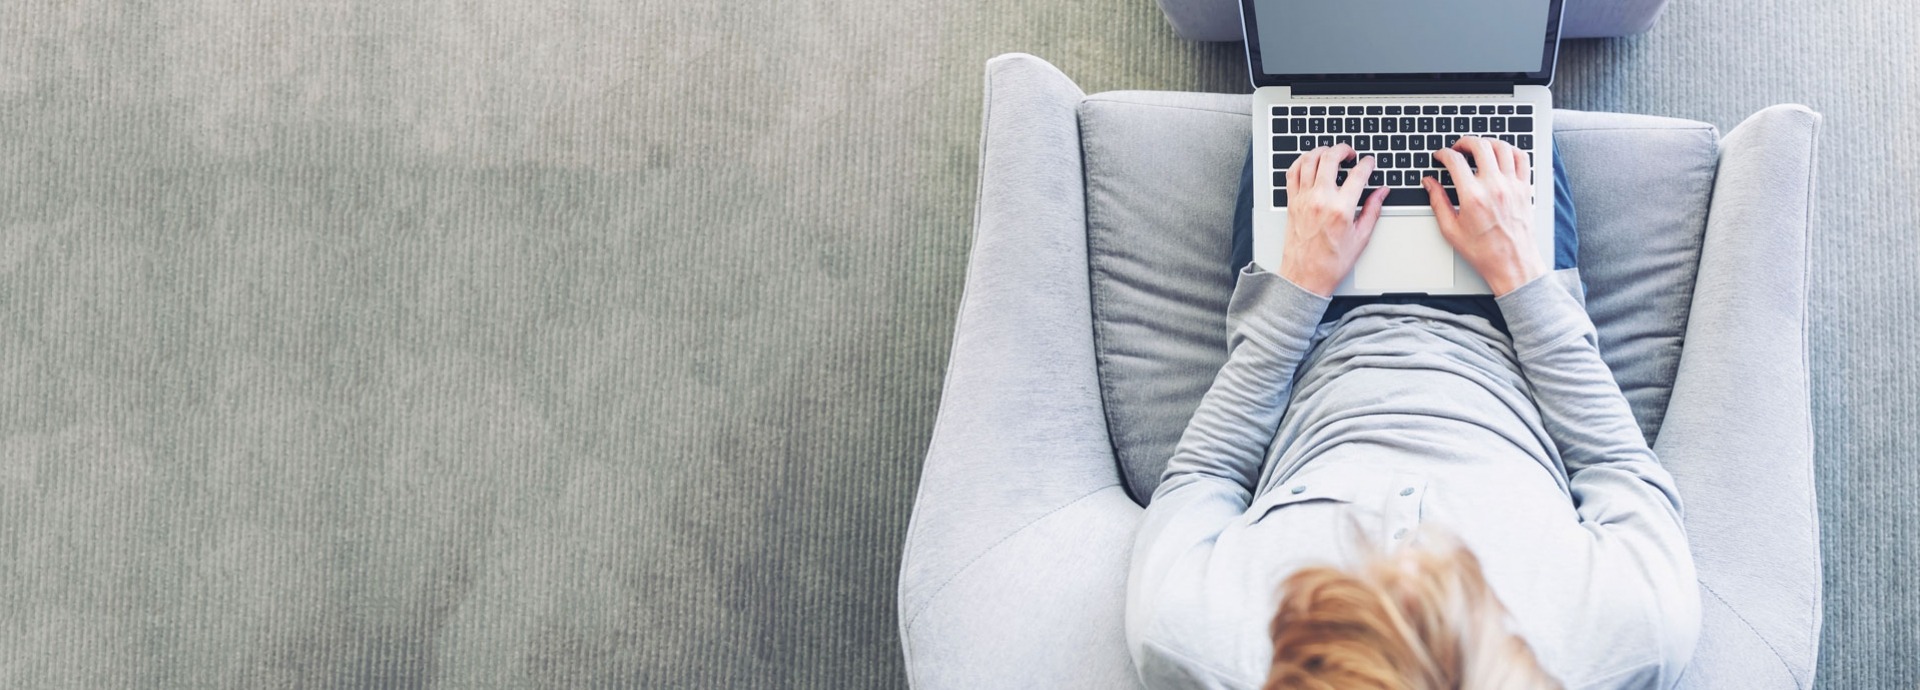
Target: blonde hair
[{"x": 1420, "y": 618}]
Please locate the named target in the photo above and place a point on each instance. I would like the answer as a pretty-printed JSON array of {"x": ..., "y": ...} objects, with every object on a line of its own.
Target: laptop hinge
[{"x": 1379, "y": 88}]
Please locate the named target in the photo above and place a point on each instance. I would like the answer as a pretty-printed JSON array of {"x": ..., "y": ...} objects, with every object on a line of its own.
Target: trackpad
[{"x": 1406, "y": 254}]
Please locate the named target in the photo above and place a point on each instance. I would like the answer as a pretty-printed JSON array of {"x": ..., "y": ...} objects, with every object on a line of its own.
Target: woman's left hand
[{"x": 1323, "y": 237}]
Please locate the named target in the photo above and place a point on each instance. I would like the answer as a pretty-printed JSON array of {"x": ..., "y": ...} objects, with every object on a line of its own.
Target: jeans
[{"x": 1566, "y": 247}]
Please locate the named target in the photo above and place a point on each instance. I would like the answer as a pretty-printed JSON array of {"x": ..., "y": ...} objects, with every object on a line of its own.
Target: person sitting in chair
[{"x": 1412, "y": 492}]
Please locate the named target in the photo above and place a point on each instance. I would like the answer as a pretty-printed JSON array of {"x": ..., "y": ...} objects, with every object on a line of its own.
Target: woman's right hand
[{"x": 1493, "y": 229}]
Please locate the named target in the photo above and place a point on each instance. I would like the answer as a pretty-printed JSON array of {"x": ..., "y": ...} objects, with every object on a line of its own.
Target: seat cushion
[{"x": 1162, "y": 174}]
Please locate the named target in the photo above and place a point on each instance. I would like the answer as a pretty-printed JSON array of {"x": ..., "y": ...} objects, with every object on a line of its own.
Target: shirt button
[
  {"x": 1399, "y": 533},
  {"x": 1300, "y": 489},
  {"x": 1407, "y": 491}
]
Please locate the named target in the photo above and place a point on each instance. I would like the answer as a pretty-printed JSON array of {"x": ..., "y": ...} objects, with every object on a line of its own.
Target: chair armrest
[
  {"x": 1020, "y": 478},
  {"x": 1045, "y": 608},
  {"x": 1738, "y": 436}
]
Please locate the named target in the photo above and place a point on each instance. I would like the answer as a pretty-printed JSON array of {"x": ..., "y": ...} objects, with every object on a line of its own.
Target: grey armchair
[
  {"x": 1219, "y": 20},
  {"x": 1092, "y": 323}
]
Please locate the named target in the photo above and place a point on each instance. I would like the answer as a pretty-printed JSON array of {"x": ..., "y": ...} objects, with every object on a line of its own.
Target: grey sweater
[{"x": 1399, "y": 416}]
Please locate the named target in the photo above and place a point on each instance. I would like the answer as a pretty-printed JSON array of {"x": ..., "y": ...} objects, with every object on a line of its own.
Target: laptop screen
[{"x": 1328, "y": 38}]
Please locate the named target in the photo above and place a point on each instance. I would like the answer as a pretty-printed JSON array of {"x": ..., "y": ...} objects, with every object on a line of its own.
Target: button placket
[{"x": 1406, "y": 500}]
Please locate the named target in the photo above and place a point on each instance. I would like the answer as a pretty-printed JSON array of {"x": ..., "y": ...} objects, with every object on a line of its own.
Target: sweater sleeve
[
  {"x": 1210, "y": 478},
  {"x": 1626, "y": 501}
]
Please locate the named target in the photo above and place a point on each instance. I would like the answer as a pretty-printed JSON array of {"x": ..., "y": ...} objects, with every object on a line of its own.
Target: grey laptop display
[{"x": 1397, "y": 79}]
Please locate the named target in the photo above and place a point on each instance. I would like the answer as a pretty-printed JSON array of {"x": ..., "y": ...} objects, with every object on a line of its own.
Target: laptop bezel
[{"x": 1541, "y": 77}]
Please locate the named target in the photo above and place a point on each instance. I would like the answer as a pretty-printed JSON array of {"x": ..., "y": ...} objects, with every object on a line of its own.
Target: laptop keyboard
[{"x": 1401, "y": 138}]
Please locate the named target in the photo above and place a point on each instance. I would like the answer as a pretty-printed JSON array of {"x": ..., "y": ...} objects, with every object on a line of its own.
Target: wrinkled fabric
[{"x": 1315, "y": 441}]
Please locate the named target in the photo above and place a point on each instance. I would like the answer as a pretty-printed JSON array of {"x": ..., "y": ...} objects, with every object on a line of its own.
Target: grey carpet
[{"x": 489, "y": 343}]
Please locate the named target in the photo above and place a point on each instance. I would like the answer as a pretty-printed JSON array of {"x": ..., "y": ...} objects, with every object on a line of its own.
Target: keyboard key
[
  {"x": 1317, "y": 125},
  {"x": 1280, "y": 125},
  {"x": 1403, "y": 160},
  {"x": 1526, "y": 142},
  {"x": 1306, "y": 142},
  {"x": 1375, "y": 110},
  {"x": 1299, "y": 111},
  {"x": 1506, "y": 110},
  {"x": 1486, "y": 110},
  {"x": 1343, "y": 139},
  {"x": 1449, "y": 110},
  {"x": 1451, "y": 140},
  {"x": 1335, "y": 125},
  {"x": 1520, "y": 124},
  {"x": 1460, "y": 124},
  {"x": 1299, "y": 125},
  {"x": 1389, "y": 124},
  {"x": 1433, "y": 143},
  {"x": 1393, "y": 110},
  {"x": 1416, "y": 196},
  {"x": 1393, "y": 178},
  {"x": 1420, "y": 160},
  {"x": 1399, "y": 142},
  {"x": 1319, "y": 110},
  {"x": 1280, "y": 198},
  {"x": 1282, "y": 161},
  {"x": 1286, "y": 144},
  {"x": 1324, "y": 140},
  {"x": 1280, "y": 179},
  {"x": 1363, "y": 143},
  {"x": 1371, "y": 125},
  {"x": 1379, "y": 177},
  {"x": 1279, "y": 111},
  {"x": 1526, "y": 110},
  {"x": 1507, "y": 138},
  {"x": 1340, "y": 177},
  {"x": 1498, "y": 124},
  {"x": 1479, "y": 125},
  {"x": 1336, "y": 110},
  {"x": 1426, "y": 124},
  {"x": 1446, "y": 178},
  {"x": 1430, "y": 110},
  {"x": 1406, "y": 124},
  {"x": 1443, "y": 124},
  {"x": 1380, "y": 142}
]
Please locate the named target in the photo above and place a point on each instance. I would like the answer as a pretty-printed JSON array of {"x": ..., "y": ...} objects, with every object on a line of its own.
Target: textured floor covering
[{"x": 488, "y": 343}]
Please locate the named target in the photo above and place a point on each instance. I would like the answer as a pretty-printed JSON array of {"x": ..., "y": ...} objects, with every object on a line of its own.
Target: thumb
[
  {"x": 1370, "y": 213},
  {"x": 1442, "y": 206}
]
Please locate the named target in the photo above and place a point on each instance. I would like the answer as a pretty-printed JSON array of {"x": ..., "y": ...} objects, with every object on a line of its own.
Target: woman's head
[{"x": 1419, "y": 618}]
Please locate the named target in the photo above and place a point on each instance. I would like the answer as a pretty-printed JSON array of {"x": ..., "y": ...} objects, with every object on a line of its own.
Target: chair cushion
[{"x": 1162, "y": 173}]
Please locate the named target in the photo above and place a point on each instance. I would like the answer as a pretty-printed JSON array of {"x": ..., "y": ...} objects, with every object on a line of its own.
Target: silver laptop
[{"x": 1397, "y": 80}]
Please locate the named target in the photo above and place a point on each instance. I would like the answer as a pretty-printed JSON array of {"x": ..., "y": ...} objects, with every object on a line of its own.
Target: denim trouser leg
[{"x": 1566, "y": 247}]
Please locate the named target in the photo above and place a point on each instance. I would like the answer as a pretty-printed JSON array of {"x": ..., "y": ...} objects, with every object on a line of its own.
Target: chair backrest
[{"x": 1162, "y": 174}]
